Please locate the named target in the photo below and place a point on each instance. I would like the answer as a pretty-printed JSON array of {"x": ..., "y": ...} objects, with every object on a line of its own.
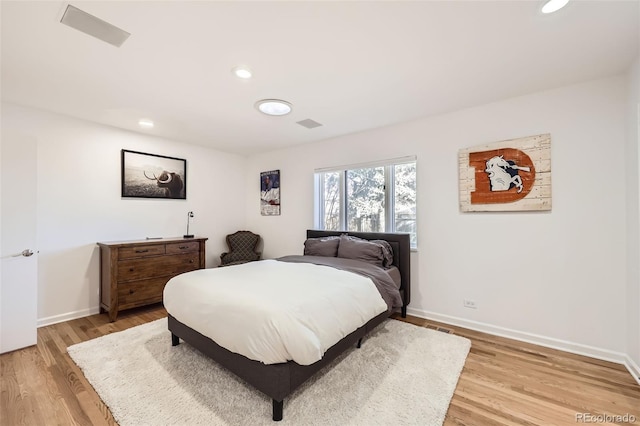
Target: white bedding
[{"x": 272, "y": 311}]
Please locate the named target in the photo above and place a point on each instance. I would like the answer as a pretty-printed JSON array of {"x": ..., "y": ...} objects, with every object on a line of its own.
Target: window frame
[{"x": 389, "y": 192}]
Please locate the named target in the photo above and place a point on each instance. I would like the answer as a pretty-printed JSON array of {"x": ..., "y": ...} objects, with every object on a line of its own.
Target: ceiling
[{"x": 350, "y": 65}]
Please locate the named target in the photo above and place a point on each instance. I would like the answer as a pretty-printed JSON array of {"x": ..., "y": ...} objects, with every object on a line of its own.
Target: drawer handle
[
  {"x": 130, "y": 269},
  {"x": 131, "y": 291},
  {"x": 190, "y": 260},
  {"x": 183, "y": 247},
  {"x": 142, "y": 251}
]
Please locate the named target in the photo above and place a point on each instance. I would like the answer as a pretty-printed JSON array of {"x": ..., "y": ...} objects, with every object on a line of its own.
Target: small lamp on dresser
[{"x": 189, "y": 216}]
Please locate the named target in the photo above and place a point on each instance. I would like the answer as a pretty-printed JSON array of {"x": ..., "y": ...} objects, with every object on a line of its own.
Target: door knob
[{"x": 25, "y": 253}]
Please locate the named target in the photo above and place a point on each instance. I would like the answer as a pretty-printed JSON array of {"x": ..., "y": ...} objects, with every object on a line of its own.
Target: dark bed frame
[{"x": 279, "y": 380}]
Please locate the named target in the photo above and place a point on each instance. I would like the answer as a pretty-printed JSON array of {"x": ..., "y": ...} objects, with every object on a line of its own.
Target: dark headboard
[{"x": 401, "y": 255}]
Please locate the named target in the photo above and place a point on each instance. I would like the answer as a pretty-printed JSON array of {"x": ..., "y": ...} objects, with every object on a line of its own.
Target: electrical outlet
[{"x": 468, "y": 303}]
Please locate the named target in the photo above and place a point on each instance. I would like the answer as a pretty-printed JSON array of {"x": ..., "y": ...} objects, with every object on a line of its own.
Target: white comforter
[{"x": 272, "y": 311}]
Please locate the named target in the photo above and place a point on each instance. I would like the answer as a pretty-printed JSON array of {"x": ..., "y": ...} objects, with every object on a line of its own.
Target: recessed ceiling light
[
  {"x": 242, "y": 72},
  {"x": 145, "y": 123},
  {"x": 273, "y": 107},
  {"x": 554, "y": 5}
]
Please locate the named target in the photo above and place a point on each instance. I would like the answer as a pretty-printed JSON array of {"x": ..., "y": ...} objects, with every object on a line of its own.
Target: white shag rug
[{"x": 403, "y": 375}]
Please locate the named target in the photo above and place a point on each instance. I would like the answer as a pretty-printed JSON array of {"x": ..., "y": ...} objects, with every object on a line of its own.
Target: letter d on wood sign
[{"x": 511, "y": 175}]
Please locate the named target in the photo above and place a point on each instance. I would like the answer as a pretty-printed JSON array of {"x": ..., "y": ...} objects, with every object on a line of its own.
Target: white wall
[
  {"x": 633, "y": 221},
  {"x": 556, "y": 278},
  {"x": 79, "y": 203}
]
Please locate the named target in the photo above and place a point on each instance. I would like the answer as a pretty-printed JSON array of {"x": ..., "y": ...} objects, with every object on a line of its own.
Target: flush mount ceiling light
[
  {"x": 242, "y": 72},
  {"x": 273, "y": 107},
  {"x": 145, "y": 123},
  {"x": 554, "y": 5}
]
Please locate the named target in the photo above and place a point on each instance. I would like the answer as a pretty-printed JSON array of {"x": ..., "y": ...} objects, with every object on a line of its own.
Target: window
[{"x": 378, "y": 197}]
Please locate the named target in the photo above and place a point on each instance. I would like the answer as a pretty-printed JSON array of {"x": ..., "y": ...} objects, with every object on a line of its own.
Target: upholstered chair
[{"x": 242, "y": 248}]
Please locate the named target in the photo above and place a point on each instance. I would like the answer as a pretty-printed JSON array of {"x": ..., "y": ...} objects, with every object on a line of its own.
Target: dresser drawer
[
  {"x": 141, "y": 251},
  {"x": 174, "y": 248},
  {"x": 143, "y": 292},
  {"x": 150, "y": 267}
]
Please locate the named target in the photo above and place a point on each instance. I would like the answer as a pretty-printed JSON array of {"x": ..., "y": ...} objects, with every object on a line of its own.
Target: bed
[{"x": 277, "y": 379}]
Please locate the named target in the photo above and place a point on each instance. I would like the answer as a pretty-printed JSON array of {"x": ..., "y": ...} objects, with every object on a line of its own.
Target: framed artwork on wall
[
  {"x": 153, "y": 176},
  {"x": 270, "y": 193},
  {"x": 511, "y": 175}
]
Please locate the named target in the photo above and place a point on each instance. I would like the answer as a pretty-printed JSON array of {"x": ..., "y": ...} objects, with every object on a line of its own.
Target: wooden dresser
[{"x": 134, "y": 273}]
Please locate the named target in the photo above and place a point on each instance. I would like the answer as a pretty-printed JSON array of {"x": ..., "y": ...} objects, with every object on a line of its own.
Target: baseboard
[
  {"x": 633, "y": 368},
  {"x": 43, "y": 322},
  {"x": 548, "y": 342}
]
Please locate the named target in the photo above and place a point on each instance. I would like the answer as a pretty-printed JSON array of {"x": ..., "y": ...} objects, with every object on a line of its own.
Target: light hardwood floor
[{"x": 504, "y": 382}]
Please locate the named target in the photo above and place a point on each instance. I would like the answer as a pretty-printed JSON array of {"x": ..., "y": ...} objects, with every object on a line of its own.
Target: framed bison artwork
[
  {"x": 511, "y": 175},
  {"x": 153, "y": 176}
]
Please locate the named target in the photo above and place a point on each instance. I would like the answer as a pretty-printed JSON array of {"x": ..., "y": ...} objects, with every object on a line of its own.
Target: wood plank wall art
[{"x": 511, "y": 175}]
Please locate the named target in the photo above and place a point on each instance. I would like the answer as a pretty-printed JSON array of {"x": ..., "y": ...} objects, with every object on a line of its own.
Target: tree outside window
[{"x": 368, "y": 199}]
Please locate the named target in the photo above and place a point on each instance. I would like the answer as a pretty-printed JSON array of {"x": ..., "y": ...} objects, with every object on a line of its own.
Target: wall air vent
[
  {"x": 89, "y": 24},
  {"x": 309, "y": 123}
]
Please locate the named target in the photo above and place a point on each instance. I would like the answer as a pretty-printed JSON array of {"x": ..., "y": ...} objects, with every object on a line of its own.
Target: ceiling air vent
[
  {"x": 309, "y": 123},
  {"x": 89, "y": 24}
]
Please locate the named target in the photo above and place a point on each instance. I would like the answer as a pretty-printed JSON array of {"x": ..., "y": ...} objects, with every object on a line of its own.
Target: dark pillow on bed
[
  {"x": 387, "y": 252},
  {"x": 359, "y": 249},
  {"x": 324, "y": 246}
]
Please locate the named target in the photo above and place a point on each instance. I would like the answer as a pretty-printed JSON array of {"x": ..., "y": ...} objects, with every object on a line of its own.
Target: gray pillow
[
  {"x": 359, "y": 249},
  {"x": 387, "y": 252},
  {"x": 325, "y": 246}
]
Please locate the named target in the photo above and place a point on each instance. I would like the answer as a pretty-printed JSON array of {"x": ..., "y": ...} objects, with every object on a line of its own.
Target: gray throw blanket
[{"x": 378, "y": 275}]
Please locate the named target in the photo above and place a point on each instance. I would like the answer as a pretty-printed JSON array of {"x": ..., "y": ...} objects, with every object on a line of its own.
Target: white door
[{"x": 18, "y": 272}]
